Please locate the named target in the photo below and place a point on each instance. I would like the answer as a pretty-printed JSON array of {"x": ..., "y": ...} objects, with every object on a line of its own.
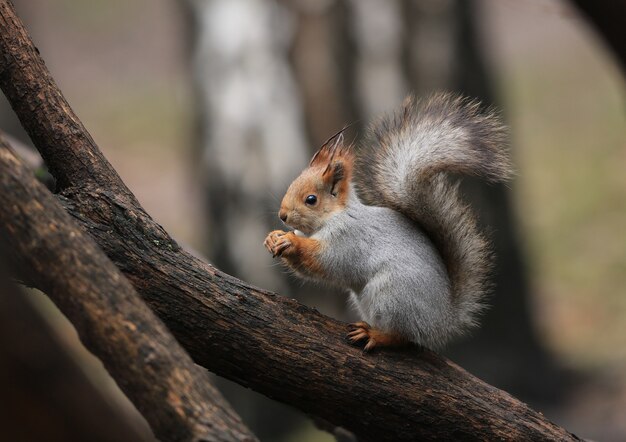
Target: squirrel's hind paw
[{"x": 361, "y": 331}]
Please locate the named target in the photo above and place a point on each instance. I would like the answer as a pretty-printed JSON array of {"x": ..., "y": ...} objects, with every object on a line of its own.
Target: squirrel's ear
[
  {"x": 334, "y": 176},
  {"x": 332, "y": 148},
  {"x": 336, "y": 158}
]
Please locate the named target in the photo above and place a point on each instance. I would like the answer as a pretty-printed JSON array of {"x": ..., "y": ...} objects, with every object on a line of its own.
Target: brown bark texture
[
  {"x": 46, "y": 395},
  {"x": 46, "y": 248},
  {"x": 263, "y": 341}
]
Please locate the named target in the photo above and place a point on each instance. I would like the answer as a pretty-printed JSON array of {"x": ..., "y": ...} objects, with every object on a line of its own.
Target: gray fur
[
  {"x": 401, "y": 281},
  {"x": 397, "y": 279}
]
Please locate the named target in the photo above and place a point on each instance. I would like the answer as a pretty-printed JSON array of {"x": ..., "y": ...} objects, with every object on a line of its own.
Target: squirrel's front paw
[{"x": 277, "y": 242}]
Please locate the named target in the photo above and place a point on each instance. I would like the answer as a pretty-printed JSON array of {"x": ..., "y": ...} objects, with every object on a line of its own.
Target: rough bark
[
  {"x": 260, "y": 340},
  {"x": 45, "y": 393},
  {"x": 47, "y": 249}
]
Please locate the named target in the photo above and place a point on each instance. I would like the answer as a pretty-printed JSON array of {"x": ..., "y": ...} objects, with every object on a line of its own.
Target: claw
[
  {"x": 281, "y": 246},
  {"x": 359, "y": 336},
  {"x": 360, "y": 331},
  {"x": 370, "y": 345},
  {"x": 360, "y": 324},
  {"x": 275, "y": 242},
  {"x": 373, "y": 337}
]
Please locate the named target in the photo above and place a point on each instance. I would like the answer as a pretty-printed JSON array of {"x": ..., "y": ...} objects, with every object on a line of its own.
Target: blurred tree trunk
[
  {"x": 444, "y": 53},
  {"x": 608, "y": 18},
  {"x": 377, "y": 32},
  {"x": 248, "y": 112},
  {"x": 322, "y": 57},
  {"x": 251, "y": 144}
]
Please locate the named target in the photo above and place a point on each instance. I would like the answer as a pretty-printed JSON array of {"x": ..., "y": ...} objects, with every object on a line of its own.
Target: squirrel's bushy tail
[{"x": 405, "y": 165}]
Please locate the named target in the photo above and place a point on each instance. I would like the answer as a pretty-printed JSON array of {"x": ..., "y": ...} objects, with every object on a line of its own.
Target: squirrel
[{"x": 385, "y": 220}]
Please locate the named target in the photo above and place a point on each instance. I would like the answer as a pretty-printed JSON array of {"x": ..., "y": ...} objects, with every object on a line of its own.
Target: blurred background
[{"x": 209, "y": 108}]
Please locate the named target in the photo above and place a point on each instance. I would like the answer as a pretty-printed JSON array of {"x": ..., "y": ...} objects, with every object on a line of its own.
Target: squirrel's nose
[{"x": 283, "y": 216}]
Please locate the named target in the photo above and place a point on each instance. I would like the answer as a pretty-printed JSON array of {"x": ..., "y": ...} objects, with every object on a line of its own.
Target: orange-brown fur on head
[{"x": 327, "y": 179}]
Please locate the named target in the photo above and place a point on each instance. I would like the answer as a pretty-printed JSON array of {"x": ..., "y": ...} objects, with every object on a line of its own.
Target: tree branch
[
  {"x": 271, "y": 344},
  {"x": 72, "y": 155},
  {"x": 47, "y": 249},
  {"x": 45, "y": 393}
]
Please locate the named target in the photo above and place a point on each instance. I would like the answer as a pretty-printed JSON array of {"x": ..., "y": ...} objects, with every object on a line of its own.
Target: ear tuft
[
  {"x": 335, "y": 159},
  {"x": 333, "y": 148}
]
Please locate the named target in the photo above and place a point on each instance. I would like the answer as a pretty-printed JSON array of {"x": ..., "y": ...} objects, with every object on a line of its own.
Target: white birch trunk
[{"x": 253, "y": 138}]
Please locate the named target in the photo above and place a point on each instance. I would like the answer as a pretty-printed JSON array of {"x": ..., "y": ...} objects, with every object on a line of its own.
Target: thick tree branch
[
  {"x": 45, "y": 393},
  {"x": 47, "y": 249},
  {"x": 271, "y": 344},
  {"x": 294, "y": 354}
]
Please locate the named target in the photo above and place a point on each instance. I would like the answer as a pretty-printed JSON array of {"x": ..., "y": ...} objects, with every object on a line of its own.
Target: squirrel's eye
[{"x": 310, "y": 200}]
